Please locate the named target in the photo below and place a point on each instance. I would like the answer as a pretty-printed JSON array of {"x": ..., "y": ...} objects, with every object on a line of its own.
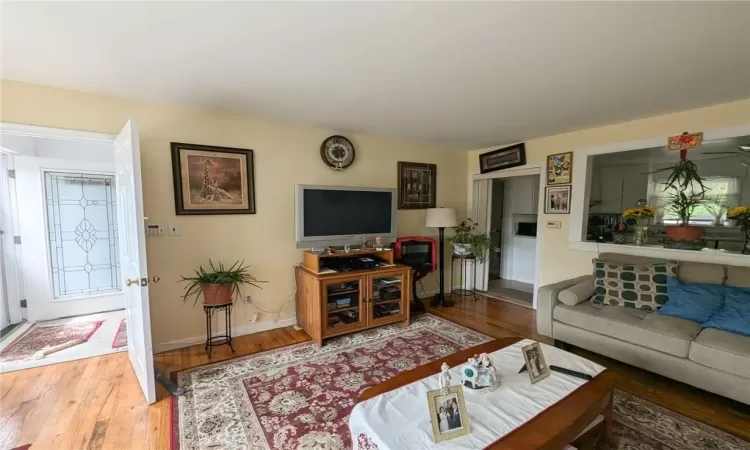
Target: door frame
[
  {"x": 484, "y": 209},
  {"x": 11, "y": 257}
]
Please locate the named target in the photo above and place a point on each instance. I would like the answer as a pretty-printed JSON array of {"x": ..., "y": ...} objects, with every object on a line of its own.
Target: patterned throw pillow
[{"x": 641, "y": 286}]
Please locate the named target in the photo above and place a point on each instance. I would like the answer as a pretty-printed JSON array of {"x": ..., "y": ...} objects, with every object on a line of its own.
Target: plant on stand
[
  {"x": 641, "y": 216},
  {"x": 687, "y": 192},
  {"x": 468, "y": 240},
  {"x": 220, "y": 285},
  {"x": 741, "y": 217}
]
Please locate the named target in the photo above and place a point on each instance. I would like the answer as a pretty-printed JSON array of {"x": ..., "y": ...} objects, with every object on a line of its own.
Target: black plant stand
[
  {"x": 465, "y": 262},
  {"x": 222, "y": 339}
]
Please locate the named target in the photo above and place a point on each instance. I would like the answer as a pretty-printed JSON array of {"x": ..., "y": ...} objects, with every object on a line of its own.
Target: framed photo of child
[{"x": 448, "y": 414}]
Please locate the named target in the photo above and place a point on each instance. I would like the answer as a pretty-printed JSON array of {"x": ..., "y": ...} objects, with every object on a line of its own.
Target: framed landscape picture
[
  {"x": 560, "y": 168},
  {"x": 417, "y": 183},
  {"x": 557, "y": 200},
  {"x": 504, "y": 158},
  {"x": 212, "y": 180}
]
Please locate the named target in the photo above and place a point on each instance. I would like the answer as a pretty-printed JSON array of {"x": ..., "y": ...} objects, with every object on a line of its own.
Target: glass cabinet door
[
  {"x": 343, "y": 304},
  {"x": 386, "y": 298}
]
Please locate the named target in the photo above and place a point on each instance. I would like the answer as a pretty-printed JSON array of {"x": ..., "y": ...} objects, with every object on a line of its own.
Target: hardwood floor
[{"x": 96, "y": 403}]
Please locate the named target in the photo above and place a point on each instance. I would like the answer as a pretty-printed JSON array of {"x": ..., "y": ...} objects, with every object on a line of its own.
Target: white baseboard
[{"x": 236, "y": 332}]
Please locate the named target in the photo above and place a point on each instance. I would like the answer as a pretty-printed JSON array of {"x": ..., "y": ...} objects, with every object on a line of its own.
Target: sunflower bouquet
[
  {"x": 641, "y": 212},
  {"x": 741, "y": 217}
]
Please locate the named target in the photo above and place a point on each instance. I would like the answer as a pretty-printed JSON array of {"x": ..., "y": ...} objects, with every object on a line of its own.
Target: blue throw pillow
[
  {"x": 693, "y": 301},
  {"x": 734, "y": 316}
]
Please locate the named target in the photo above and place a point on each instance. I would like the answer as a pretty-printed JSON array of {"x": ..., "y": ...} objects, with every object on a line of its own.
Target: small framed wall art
[
  {"x": 557, "y": 200},
  {"x": 448, "y": 414},
  {"x": 535, "y": 363},
  {"x": 504, "y": 158},
  {"x": 212, "y": 180},
  {"x": 417, "y": 185},
  {"x": 560, "y": 168}
]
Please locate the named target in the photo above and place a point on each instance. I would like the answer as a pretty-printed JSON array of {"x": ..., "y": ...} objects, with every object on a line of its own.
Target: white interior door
[{"x": 133, "y": 256}]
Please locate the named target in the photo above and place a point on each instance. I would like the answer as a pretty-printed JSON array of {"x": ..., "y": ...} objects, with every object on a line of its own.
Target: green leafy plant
[
  {"x": 683, "y": 205},
  {"x": 685, "y": 176},
  {"x": 236, "y": 275},
  {"x": 467, "y": 234}
]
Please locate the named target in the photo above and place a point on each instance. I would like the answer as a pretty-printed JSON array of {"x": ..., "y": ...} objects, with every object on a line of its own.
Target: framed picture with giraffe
[{"x": 212, "y": 180}]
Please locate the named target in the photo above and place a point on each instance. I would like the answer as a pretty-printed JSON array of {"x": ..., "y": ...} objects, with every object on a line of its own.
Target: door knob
[
  {"x": 155, "y": 279},
  {"x": 130, "y": 282}
]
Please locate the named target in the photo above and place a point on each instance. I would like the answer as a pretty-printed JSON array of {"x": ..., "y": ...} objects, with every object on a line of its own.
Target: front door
[{"x": 133, "y": 257}]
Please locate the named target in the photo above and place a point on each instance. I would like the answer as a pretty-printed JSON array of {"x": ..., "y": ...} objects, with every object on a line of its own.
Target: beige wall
[
  {"x": 558, "y": 262},
  {"x": 285, "y": 155}
]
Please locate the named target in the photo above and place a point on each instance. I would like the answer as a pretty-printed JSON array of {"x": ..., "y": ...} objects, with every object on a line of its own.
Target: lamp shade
[{"x": 441, "y": 218}]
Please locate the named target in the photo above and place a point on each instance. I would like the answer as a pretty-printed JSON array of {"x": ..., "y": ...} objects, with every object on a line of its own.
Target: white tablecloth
[{"x": 399, "y": 419}]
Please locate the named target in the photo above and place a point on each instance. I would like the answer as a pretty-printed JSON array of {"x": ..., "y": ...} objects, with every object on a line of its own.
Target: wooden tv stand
[{"x": 335, "y": 303}]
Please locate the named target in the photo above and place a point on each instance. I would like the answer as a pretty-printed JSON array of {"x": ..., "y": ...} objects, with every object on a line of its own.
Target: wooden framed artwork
[
  {"x": 557, "y": 200},
  {"x": 212, "y": 180},
  {"x": 448, "y": 414},
  {"x": 417, "y": 185},
  {"x": 535, "y": 363},
  {"x": 560, "y": 168},
  {"x": 504, "y": 158}
]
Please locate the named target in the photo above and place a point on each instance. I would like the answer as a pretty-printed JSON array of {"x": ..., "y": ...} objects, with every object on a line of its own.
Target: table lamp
[{"x": 441, "y": 218}]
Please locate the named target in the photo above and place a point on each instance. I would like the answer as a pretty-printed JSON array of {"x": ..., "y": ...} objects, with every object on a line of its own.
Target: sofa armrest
[{"x": 546, "y": 301}]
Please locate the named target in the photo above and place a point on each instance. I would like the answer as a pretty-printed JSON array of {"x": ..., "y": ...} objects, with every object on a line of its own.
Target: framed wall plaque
[
  {"x": 504, "y": 158},
  {"x": 417, "y": 185},
  {"x": 560, "y": 168},
  {"x": 212, "y": 180}
]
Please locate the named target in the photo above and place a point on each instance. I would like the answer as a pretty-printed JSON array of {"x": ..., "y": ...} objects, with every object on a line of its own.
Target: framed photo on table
[
  {"x": 536, "y": 366},
  {"x": 448, "y": 414},
  {"x": 560, "y": 168},
  {"x": 417, "y": 185},
  {"x": 212, "y": 180},
  {"x": 557, "y": 200}
]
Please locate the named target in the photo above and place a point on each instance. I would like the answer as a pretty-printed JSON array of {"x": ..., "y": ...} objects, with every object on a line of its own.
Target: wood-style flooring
[{"x": 96, "y": 403}]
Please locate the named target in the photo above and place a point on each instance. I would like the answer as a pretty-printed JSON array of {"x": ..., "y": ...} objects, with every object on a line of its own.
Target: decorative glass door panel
[
  {"x": 343, "y": 304},
  {"x": 386, "y": 297},
  {"x": 82, "y": 233}
]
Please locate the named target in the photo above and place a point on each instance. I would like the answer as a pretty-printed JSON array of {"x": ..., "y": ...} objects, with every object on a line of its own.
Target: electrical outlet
[
  {"x": 255, "y": 318},
  {"x": 174, "y": 229}
]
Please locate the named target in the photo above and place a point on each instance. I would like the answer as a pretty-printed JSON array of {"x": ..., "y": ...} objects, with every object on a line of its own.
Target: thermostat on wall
[{"x": 554, "y": 224}]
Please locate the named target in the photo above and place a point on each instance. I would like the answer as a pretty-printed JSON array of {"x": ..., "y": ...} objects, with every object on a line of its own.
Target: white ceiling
[{"x": 464, "y": 75}]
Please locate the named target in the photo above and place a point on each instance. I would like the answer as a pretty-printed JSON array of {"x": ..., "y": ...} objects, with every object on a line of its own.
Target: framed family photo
[
  {"x": 557, "y": 200},
  {"x": 504, "y": 158},
  {"x": 417, "y": 183},
  {"x": 448, "y": 414},
  {"x": 212, "y": 180},
  {"x": 560, "y": 168},
  {"x": 535, "y": 363}
]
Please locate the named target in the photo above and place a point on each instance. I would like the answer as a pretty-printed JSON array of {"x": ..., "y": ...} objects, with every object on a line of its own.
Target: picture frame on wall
[
  {"x": 212, "y": 180},
  {"x": 417, "y": 185},
  {"x": 448, "y": 413},
  {"x": 504, "y": 158},
  {"x": 557, "y": 200},
  {"x": 560, "y": 168}
]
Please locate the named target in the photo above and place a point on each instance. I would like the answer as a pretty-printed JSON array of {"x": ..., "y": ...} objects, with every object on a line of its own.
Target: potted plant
[
  {"x": 741, "y": 217},
  {"x": 687, "y": 192},
  {"x": 468, "y": 240},
  {"x": 640, "y": 215},
  {"x": 220, "y": 285}
]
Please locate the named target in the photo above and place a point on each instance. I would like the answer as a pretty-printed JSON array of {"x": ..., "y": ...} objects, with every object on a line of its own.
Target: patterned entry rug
[
  {"x": 300, "y": 397},
  {"x": 121, "y": 337},
  {"x": 40, "y": 336}
]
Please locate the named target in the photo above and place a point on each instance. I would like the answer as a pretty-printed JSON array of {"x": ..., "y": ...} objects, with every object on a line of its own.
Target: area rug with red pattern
[
  {"x": 121, "y": 336},
  {"x": 42, "y": 336}
]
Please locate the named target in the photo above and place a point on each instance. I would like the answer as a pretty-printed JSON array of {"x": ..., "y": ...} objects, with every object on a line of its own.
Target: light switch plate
[
  {"x": 554, "y": 224},
  {"x": 174, "y": 229},
  {"x": 154, "y": 229}
]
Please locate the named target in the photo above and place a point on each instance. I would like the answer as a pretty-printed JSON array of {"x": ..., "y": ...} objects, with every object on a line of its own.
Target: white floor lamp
[{"x": 441, "y": 218}]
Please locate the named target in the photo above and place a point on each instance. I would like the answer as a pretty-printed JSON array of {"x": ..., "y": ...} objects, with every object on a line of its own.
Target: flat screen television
[{"x": 337, "y": 215}]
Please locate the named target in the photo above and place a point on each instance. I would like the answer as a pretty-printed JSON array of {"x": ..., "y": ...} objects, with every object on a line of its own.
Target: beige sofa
[{"x": 710, "y": 359}]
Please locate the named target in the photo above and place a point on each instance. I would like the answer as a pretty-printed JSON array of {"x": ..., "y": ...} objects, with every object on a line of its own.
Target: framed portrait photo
[
  {"x": 448, "y": 414},
  {"x": 536, "y": 366},
  {"x": 212, "y": 180},
  {"x": 557, "y": 200},
  {"x": 560, "y": 168},
  {"x": 417, "y": 184},
  {"x": 504, "y": 158}
]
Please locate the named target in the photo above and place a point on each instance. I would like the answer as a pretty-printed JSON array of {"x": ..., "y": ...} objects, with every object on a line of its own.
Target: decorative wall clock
[{"x": 337, "y": 152}]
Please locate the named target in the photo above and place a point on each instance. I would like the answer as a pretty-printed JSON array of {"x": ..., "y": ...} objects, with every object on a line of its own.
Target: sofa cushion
[
  {"x": 693, "y": 301},
  {"x": 642, "y": 286},
  {"x": 692, "y": 272},
  {"x": 728, "y": 352},
  {"x": 577, "y": 293},
  {"x": 734, "y": 315},
  {"x": 647, "y": 329},
  {"x": 738, "y": 277}
]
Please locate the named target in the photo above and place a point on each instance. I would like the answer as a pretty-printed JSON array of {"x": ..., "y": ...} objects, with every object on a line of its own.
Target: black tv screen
[{"x": 343, "y": 212}]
